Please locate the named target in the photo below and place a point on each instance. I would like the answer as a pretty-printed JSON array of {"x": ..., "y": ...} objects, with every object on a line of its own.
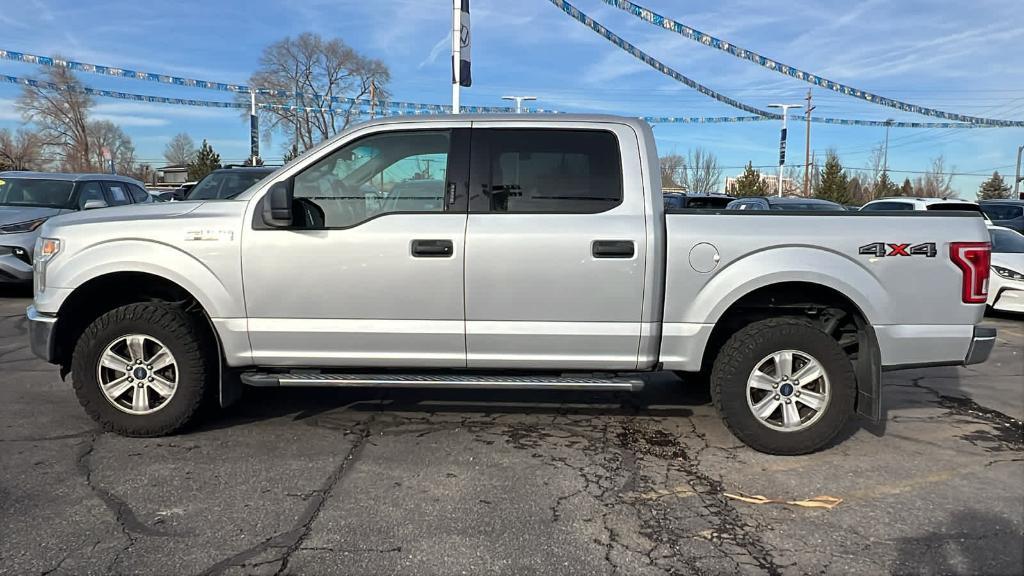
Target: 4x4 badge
[{"x": 881, "y": 249}]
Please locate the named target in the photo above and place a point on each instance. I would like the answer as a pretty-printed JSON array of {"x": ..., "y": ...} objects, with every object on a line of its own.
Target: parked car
[
  {"x": 227, "y": 182},
  {"x": 1006, "y": 284},
  {"x": 173, "y": 194},
  {"x": 784, "y": 203},
  {"x": 551, "y": 264},
  {"x": 1006, "y": 213},
  {"x": 909, "y": 203},
  {"x": 677, "y": 201},
  {"x": 27, "y": 199}
]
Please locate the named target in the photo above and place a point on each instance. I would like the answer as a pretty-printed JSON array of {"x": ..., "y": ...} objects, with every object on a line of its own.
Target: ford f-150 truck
[{"x": 501, "y": 252}]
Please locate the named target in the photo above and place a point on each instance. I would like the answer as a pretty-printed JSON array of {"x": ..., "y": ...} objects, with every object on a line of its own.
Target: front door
[
  {"x": 555, "y": 250},
  {"x": 372, "y": 274}
]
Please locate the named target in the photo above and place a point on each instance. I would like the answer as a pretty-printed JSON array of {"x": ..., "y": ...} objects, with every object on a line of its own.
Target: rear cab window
[
  {"x": 138, "y": 194},
  {"x": 559, "y": 171}
]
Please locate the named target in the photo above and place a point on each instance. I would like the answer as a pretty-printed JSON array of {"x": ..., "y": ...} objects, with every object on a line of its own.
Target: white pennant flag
[{"x": 461, "y": 73}]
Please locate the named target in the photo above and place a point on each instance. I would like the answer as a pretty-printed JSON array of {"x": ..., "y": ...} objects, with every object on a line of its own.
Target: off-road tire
[
  {"x": 188, "y": 340},
  {"x": 738, "y": 357}
]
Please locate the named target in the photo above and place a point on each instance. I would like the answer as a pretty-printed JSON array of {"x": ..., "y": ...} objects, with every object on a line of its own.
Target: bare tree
[
  {"x": 701, "y": 173},
  {"x": 319, "y": 69},
  {"x": 109, "y": 143},
  {"x": 180, "y": 150},
  {"x": 937, "y": 181},
  {"x": 876, "y": 164},
  {"x": 62, "y": 117},
  {"x": 672, "y": 167},
  {"x": 22, "y": 150}
]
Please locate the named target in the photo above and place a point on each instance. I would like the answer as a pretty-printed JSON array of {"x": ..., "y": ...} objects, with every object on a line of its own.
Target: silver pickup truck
[{"x": 501, "y": 252}]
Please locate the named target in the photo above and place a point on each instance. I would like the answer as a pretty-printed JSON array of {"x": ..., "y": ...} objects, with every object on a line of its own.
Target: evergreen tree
[
  {"x": 907, "y": 189},
  {"x": 994, "y": 188},
  {"x": 206, "y": 161},
  {"x": 291, "y": 154},
  {"x": 833, "y": 185},
  {"x": 749, "y": 184},
  {"x": 885, "y": 186}
]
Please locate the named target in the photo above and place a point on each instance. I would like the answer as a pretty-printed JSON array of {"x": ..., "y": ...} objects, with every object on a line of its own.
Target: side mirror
[
  {"x": 277, "y": 205},
  {"x": 93, "y": 204}
]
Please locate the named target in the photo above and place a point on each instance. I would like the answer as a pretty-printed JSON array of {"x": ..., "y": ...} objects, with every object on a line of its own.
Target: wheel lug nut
[
  {"x": 796, "y": 393},
  {"x": 148, "y": 367},
  {"x": 788, "y": 401},
  {"x": 776, "y": 397},
  {"x": 131, "y": 379},
  {"x": 775, "y": 385}
]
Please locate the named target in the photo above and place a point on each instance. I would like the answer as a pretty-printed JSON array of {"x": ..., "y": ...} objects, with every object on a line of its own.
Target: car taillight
[{"x": 973, "y": 259}]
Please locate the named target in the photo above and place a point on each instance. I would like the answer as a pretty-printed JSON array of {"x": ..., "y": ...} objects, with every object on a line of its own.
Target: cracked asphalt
[{"x": 470, "y": 482}]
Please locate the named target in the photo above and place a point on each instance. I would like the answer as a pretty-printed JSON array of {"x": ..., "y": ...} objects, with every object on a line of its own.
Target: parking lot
[{"x": 468, "y": 482}]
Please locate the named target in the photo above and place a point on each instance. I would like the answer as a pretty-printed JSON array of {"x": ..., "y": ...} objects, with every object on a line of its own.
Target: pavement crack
[
  {"x": 1006, "y": 434},
  {"x": 291, "y": 540}
]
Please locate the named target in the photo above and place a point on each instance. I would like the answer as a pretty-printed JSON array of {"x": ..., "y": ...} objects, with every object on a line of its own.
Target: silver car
[{"x": 27, "y": 199}]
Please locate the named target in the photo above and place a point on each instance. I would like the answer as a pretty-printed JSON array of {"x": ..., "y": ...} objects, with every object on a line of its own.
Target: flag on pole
[{"x": 461, "y": 73}]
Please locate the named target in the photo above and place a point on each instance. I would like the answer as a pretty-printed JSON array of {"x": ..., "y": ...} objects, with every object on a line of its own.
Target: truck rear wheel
[
  {"x": 782, "y": 386},
  {"x": 143, "y": 369}
]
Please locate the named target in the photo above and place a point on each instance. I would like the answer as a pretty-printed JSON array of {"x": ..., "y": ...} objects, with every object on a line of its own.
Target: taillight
[{"x": 973, "y": 259}]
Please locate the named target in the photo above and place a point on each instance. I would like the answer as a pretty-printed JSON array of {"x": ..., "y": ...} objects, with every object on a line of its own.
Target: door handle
[
  {"x": 612, "y": 249},
  {"x": 432, "y": 248}
]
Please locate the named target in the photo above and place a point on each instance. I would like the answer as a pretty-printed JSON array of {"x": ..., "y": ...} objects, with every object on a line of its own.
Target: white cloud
[
  {"x": 133, "y": 121},
  {"x": 8, "y": 112}
]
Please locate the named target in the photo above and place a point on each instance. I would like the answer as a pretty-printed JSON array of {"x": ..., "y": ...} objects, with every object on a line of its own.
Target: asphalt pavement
[{"x": 475, "y": 482}]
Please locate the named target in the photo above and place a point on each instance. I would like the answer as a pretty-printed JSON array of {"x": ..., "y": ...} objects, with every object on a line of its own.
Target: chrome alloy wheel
[
  {"x": 137, "y": 374},
  {"x": 788, "y": 390}
]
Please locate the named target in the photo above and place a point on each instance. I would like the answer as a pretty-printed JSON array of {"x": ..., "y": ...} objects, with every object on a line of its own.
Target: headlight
[
  {"x": 1007, "y": 273},
  {"x": 22, "y": 226},
  {"x": 46, "y": 248}
]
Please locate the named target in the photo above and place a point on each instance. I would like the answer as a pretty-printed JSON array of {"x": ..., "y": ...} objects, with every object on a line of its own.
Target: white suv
[{"x": 912, "y": 203}]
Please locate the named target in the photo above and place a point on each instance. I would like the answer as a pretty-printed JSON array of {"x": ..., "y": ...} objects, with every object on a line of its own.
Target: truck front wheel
[
  {"x": 782, "y": 386},
  {"x": 143, "y": 369}
]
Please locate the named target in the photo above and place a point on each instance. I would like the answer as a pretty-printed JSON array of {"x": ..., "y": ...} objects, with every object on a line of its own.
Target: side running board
[{"x": 532, "y": 382}]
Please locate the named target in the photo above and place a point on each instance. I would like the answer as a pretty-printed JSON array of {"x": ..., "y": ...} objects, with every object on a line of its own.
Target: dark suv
[
  {"x": 1007, "y": 213},
  {"x": 226, "y": 183}
]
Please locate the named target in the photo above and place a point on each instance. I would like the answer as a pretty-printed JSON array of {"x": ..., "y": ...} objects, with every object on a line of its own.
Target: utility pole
[
  {"x": 807, "y": 153},
  {"x": 1017, "y": 177},
  {"x": 885, "y": 151},
  {"x": 519, "y": 101},
  {"x": 782, "y": 140}
]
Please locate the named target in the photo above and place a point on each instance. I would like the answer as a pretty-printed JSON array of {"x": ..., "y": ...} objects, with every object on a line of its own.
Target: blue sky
[{"x": 957, "y": 56}]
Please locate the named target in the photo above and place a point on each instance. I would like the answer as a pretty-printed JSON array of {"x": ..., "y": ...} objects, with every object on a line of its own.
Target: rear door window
[
  {"x": 1003, "y": 211},
  {"x": 117, "y": 194},
  {"x": 549, "y": 171}
]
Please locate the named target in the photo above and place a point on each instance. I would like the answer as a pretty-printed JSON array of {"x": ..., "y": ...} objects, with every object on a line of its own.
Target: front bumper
[
  {"x": 981, "y": 345},
  {"x": 41, "y": 334},
  {"x": 13, "y": 270}
]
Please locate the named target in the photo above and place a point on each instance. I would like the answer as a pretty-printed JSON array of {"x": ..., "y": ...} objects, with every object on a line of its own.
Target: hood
[
  {"x": 128, "y": 213},
  {"x": 15, "y": 214},
  {"x": 1014, "y": 262}
]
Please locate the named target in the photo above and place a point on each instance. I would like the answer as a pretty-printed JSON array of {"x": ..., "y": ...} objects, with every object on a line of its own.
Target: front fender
[{"x": 212, "y": 277}]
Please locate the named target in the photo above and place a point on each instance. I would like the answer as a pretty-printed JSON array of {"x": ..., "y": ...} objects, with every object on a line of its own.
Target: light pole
[
  {"x": 1017, "y": 177},
  {"x": 519, "y": 101},
  {"x": 782, "y": 140},
  {"x": 885, "y": 153}
]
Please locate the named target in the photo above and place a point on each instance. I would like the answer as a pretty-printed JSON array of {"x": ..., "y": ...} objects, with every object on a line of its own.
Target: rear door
[{"x": 555, "y": 247}]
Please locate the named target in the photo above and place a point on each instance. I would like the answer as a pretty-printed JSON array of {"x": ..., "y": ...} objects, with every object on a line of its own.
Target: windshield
[
  {"x": 1007, "y": 241},
  {"x": 223, "y": 185},
  {"x": 36, "y": 192}
]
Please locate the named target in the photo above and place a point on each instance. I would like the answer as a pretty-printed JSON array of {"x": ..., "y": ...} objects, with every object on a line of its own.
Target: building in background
[
  {"x": 790, "y": 187},
  {"x": 173, "y": 174}
]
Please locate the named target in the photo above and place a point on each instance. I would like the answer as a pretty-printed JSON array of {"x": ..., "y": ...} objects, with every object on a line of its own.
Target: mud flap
[
  {"x": 868, "y": 369},
  {"x": 229, "y": 387}
]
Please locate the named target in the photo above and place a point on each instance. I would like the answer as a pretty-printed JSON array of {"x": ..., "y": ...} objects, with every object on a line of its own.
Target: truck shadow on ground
[
  {"x": 667, "y": 397},
  {"x": 971, "y": 542}
]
